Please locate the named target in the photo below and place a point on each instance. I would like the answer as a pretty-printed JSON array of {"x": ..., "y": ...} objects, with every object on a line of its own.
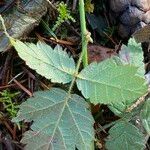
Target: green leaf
[
  {"x": 145, "y": 116},
  {"x": 133, "y": 54},
  {"x": 109, "y": 82},
  {"x": 125, "y": 136},
  {"x": 60, "y": 122},
  {"x": 119, "y": 108},
  {"x": 52, "y": 64}
]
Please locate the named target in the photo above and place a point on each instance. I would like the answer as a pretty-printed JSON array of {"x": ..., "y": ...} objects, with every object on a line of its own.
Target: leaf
[
  {"x": 145, "y": 116},
  {"x": 125, "y": 136},
  {"x": 52, "y": 64},
  {"x": 119, "y": 108},
  {"x": 108, "y": 82},
  {"x": 133, "y": 54},
  {"x": 60, "y": 122}
]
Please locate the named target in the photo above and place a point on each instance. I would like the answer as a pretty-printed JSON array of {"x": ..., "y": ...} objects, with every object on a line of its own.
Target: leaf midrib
[{"x": 105, "y": 84}]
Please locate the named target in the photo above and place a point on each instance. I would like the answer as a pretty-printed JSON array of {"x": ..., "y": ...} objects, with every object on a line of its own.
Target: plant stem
[
  {"x": 83, "y": 56},
  {"x": 83, "y": 32},
  {"x": 76, "y": 72}
]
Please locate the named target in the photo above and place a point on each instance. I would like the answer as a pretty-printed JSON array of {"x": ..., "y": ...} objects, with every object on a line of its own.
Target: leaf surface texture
[
  {"x": 145, "y": 116},
  {"x": 54, "y": 64},
  {"x": 133, "y": 54},
  {"x": 108, "y": 82},
  {"x": 60, "y": 122},
  {"x": 125, "y": 136}
]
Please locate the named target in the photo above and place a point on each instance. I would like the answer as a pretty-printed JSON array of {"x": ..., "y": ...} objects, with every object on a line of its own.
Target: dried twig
[
  {"x": 138, "y": 102},
  {"x": 23, "y": 88}
]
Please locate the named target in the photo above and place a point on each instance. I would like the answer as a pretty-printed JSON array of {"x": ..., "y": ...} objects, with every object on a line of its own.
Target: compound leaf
[
  {"x": 107, "y": 82},
  {"x": 59, "y": 121},
  {"x": 54, "y": 64},
  {"x": 125, "y": 136},
  {"x": 145, "y": 116}
]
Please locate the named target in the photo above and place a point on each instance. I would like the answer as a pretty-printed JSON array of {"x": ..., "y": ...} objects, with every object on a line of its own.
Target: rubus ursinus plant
[{"x": 62, "y": 119}]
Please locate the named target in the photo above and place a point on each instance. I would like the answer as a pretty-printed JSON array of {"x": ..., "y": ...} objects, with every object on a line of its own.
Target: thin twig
[
  {"x": 138, "y": 102},
  {"x": 23, "y": 88},
  {"x": 10, "y": 85},
  {"x": 15, "y": 77},
  {"x": 51, "y": 5}
]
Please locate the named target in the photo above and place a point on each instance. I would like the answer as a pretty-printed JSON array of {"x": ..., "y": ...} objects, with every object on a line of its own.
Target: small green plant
[
  {"x": 62, "y": 119},
  {"x": 7, "y": 100},
  {"x": 64, "y": 15}
]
